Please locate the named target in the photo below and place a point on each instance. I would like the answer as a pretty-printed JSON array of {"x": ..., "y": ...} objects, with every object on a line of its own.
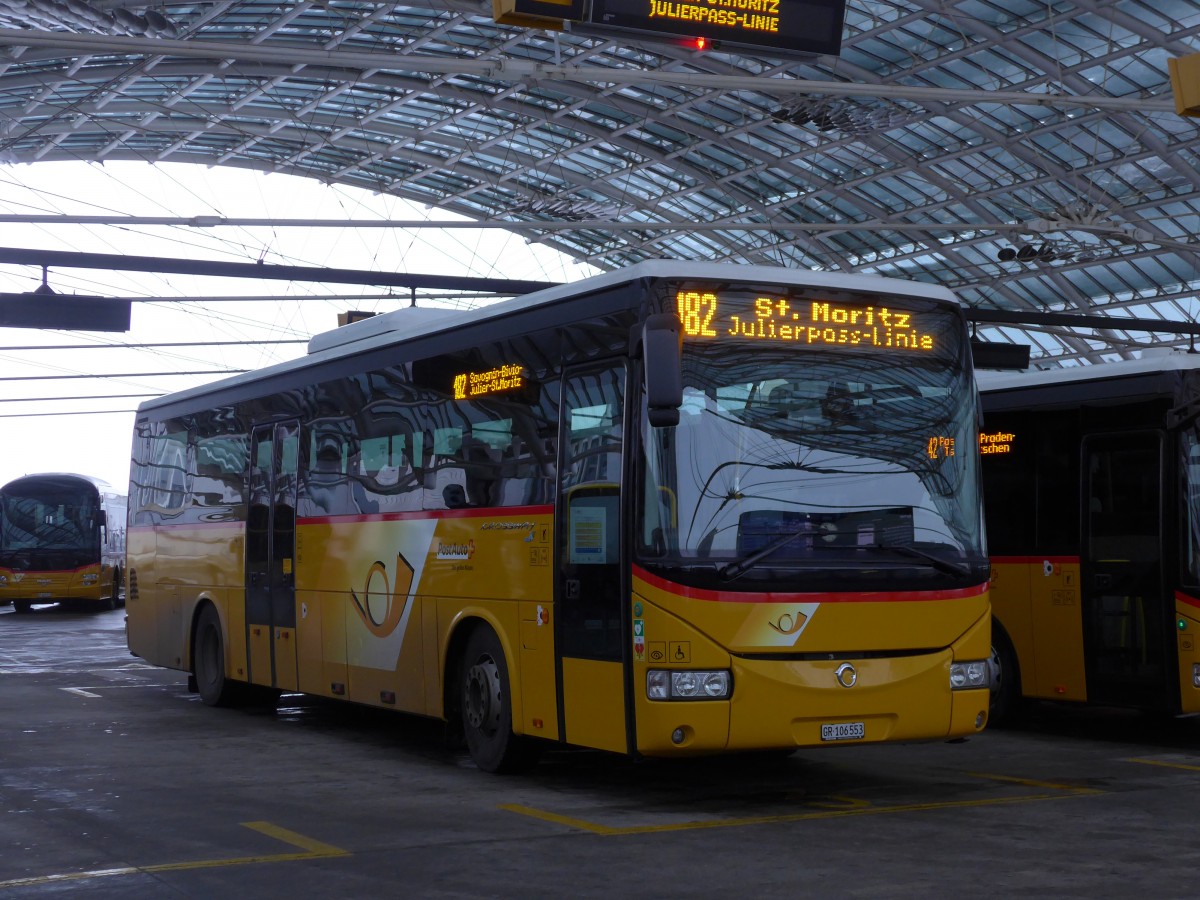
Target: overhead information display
[
  {"x": 796, "y": 26},
  {"x": 806, "y": 27}
]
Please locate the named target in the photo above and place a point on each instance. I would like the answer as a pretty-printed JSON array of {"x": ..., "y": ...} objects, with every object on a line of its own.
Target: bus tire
[
  {"x": 1005, "y": 702},
  {"x": 486, "y": 705},
  {"x": 208, "y": 661},
  {"x": 114, "y": 597},
  {"x": 22, "y": 606}
]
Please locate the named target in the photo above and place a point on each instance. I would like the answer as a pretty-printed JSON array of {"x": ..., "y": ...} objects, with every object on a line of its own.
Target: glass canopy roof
[{"x": 1026, "y": 153}]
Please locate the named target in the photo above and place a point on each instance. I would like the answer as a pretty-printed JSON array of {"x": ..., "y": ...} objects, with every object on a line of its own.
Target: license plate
[{"x": 843, "y": 731}]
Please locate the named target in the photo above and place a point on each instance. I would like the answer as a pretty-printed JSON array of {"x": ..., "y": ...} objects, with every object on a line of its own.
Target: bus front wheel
[
  {"x": 487, "y": 707},
  {"x": 114, "y": 597},
  {"x": 208, "y": 661}
]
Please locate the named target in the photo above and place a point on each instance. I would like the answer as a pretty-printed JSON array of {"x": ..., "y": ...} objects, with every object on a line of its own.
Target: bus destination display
[
  {"x": 499, "y": 380},
  {"x": 707, "y": 315},
  {"x": 798, "y": 26},
  {"x": 994, "y": 442}
]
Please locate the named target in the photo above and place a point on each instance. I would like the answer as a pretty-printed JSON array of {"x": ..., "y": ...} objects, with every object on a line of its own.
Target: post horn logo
[
  {"x": 382, "y": 604},
  {"x": 788, "y": 623}
]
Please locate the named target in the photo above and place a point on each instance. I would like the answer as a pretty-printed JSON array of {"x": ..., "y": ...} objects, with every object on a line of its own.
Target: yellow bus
[
  {"x": 1092, "y": 486},
  {"x": 62, "y": 540},
  {"x": 675, "y": 509}
]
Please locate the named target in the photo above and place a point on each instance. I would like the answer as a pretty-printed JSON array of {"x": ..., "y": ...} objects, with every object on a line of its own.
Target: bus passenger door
[
  {"x": 270, "y": 556},
  {"x": 1126, "y": 615},
  {"x": 591, "y": 581}
]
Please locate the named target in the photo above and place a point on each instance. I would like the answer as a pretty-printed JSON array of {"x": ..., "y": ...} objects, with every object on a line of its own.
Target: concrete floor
[{"x": 116, "y": 782}]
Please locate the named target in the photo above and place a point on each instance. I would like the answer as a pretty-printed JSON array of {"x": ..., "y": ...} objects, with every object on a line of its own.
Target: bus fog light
[
  {"x": 677, "y": 736},
  {"x": 969, "y": 675},
  {"x": 662, "y": 684}
]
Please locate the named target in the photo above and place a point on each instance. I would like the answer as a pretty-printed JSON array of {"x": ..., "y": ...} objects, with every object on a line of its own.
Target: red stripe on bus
[
  {"x": 1036, "y": 560},
  {"x": 29, "y": 573},
  {"x": 494, "y": 512},
  {"x": 490, "y": 512},
  {"x": 1181, "y": 597},
  {"x": 692, "y": 593}
]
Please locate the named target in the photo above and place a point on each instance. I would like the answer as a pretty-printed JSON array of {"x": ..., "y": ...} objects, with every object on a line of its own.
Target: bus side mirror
[
  {"x": 662, "y": 363},
  {"x": 103, "y": 519}
]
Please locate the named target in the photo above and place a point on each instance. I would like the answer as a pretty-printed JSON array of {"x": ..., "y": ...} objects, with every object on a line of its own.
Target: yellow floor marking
[
  {"x": 313, "y": 849},
  {"x": 860, "y": 808},
  {"x": 1166, "y": 765},
  {"x": 1030, "y": 782}
]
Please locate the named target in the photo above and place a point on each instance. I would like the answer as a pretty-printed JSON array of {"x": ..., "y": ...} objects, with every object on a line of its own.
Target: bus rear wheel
[
  {"x": 22, "y": 606},
  {"x": 1005, "y": 701},
  {"x": 487, "y": 707},
  {"x": 208, "y": 661}
]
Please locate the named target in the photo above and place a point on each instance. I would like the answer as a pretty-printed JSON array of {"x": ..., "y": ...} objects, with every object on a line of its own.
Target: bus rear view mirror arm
[{"x": 662, "y": 343}]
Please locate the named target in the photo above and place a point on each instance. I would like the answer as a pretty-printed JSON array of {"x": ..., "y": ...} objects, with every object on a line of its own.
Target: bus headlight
[
  {"x": 663, "y": 684},
  {"x": 1196, "y": 675},
  {"x": 3, "y": 579},
  {"x": 969, "y": 675},
  {"x": 91, "y": 578}
]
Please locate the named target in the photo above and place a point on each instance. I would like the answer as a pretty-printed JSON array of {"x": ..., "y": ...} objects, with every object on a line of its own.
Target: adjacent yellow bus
[
  {"x": 62, "y": 540},
  {"x": 1092, "y": 483},
  {"x": 675, "y": 509}
]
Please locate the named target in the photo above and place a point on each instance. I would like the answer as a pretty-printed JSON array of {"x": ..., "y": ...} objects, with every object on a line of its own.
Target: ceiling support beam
[{"x": 520, "y": 70}]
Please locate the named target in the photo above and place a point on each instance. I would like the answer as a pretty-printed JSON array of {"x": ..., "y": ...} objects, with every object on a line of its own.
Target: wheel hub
[{"x": 483, "y": 696}]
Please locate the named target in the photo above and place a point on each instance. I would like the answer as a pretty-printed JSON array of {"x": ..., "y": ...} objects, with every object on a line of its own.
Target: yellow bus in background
[
  {"x": 1092, "y": 485},
  {"x": 675, "y": 509},
  {"x": 62, "y": 540}
]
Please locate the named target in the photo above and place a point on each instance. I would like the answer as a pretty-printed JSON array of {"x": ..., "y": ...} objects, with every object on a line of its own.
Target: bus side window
[
  {"x": 166, "y": 487},
  {"x": 326, "y": 485},
  {"x": 483, "y": 452},
  {"x": 446, "y": 477},
  {"x": 217, "y": 479}
]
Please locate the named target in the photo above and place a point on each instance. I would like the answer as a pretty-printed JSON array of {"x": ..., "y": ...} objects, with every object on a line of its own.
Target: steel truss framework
[{"x": 1024, "y": 152}]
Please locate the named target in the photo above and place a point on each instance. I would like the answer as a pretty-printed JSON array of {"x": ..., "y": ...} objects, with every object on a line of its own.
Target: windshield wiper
[
  {"x": 938, "y": 562},
  {"x": 743, "y": 565}
]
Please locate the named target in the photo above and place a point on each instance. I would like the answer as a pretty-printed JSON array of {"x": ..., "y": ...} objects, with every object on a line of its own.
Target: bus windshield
[
  {"x": 814, "y": 469},
  {"x": 55, "y": 522}
]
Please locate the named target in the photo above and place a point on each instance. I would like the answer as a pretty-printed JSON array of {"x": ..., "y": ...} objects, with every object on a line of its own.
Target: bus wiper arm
[
  {"x": 939, "y": 563},
  {"x": 743, "y": 565}
]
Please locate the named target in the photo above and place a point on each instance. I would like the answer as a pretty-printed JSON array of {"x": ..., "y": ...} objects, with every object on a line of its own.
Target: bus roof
[
  {"x": 411, "y": 323},
  {"x": 399, "y": 326},
  {"x": 1174, "y": 360},
  {"x": 99, "y": 484}
]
